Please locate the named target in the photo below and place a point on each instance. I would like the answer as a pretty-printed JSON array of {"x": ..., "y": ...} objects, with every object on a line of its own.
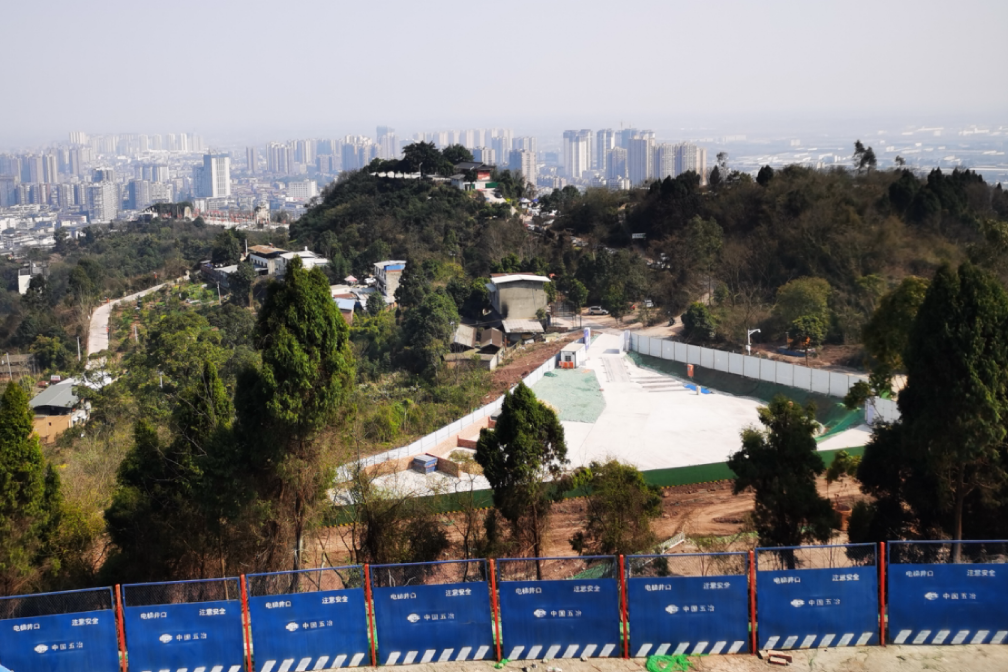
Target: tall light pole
[{"x": 748, "y": 338}]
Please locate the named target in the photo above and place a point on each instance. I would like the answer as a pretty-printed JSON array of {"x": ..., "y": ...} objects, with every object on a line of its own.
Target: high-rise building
[
  {"x": 31, "y": 169},
  {"x": 9, "y": 190},
  {"x": 103, "y": 201},
  {"x": 213, "y": 178},
  {"x": 251, "y": 160},
  {"x": 524, "y": 161},
  {"x": 103, "y": 175},
  {"x": 49, "y": 172},
  {"x": 304, "y": 152},
  {"x": 387, "y": 145},
  {"x": 577, "y": 152},
  {"x": 691, "y": 157},
  {"x": 484, "y": 154},
  {"x": 74, "y": 164},
  {"x": 604, "y": 141},
  {"x": 467, "y": 138},
  {"x": 79, "y": 138},
  {"x": 138, "y": 194},
  {"x": 640, "y": 160},
  {"x": 616, "y": 164},
  {"x": 664, "y": 161},
  {"x": 278, "y": 159}
]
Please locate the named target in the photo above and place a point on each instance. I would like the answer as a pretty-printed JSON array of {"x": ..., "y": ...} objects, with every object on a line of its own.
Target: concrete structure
[
  {"x": 572, "y": 356},
  {"x": 308, "y": 258},
  {"x": 517, "y": 295},
  {"x": 524, "y": 162},
  {"x": 264, "y": 258},
  {"x": 387, "y": 275},
  {"x": 616, "y": 164}
]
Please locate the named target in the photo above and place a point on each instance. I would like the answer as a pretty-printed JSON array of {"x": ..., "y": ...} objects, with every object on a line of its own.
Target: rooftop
[
  {"x": 522, "y": 326},
  {"x": 60, "y": 395},
  {"x": 504, "y": 278}
]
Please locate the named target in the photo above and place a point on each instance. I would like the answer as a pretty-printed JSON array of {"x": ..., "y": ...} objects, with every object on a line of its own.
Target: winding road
[{"x": 98, "y": 332}]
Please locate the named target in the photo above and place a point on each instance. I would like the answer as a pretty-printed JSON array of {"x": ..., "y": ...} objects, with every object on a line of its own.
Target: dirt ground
[
  {"x": 849, "y": 659},
  {"x": 705, "y": 510},
  {"x": 523, "y": 361}
]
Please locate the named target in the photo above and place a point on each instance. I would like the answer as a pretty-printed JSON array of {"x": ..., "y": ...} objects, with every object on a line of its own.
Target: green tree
[
  {"x": 241, "y": 282},
  {"x": 620, "y": 509},
  {"x": 375, "y": 304},
  {"x": 227, "y": 248},
  {"x": 614, "y": 300},
  {"x": 807, "y": 331},
  {"x": 456, "y": 154},
  {"x": 705, "y": 239},
  {"x": 422, "y": 157},
  {"x": 414, "y": 285},
  {"x": 50, "y": 353},
  {"x": 803, "y": 297},
  {"x": 699, "y": 322},
  {"x": 577, "y": 294},
  {"x": 764, "y": 176},
  {"x": 429, "y": 330},
  {"x": 950, "y": 439},
  {"x": 780, "y": 464},
  {"x": 886, "y": 334},
  {"x": 519, "y": 455},
  {"x": 27, "y": 493},
  {"x": 304, "y": 382}
]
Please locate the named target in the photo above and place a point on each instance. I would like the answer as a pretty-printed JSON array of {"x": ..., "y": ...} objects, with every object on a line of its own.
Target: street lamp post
[{"x": 748, "y": 337}]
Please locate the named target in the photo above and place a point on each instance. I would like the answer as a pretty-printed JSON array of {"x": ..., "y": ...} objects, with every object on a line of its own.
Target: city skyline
[{"x": 737, "y": 67}]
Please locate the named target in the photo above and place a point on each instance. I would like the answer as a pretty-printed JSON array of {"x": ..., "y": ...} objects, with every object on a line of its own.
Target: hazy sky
[{"x": 277, "y": 69}]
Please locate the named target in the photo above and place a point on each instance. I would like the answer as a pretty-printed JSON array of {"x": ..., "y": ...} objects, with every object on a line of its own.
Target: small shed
[{"x": 572, "y": 356}]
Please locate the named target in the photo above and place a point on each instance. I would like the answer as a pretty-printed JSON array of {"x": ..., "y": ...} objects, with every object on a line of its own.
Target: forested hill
[
  {"x": 856, "y": 233},
  {"x": 362, "y": 218}
]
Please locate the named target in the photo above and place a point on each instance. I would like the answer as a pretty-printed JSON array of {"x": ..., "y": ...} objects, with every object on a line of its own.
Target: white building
[
  {"x": 577, "y": 152},
  {"x": 302, "y": 189},
  {"x": 640, "y": 158},
  {"x": 664, "y": 160},
  {"x": 691, "y": 157},
  {"x": 605, "y": 140},
  {"x": 213, "y": 178}
]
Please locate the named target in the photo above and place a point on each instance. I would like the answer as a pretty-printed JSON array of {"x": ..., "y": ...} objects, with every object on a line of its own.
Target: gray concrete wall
[{"x": 520, "y": 300}]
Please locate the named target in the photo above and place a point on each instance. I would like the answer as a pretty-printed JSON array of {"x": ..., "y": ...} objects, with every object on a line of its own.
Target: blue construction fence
[{"x": 903, "y": 592}]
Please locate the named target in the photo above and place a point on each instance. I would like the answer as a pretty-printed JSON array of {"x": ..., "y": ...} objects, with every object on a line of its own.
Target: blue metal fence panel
[
  {"x": 817, "y": 608},
  {"x": 948, "y": 603},
  {"x": 66, "y": 642},
  {"x": 310, "y": 631},
  {"x": 433, "y": 623},
  {"x": 688, "y": 614},
  {"x": 560, "y": 619},
  {"x": 185, "y": 636}
]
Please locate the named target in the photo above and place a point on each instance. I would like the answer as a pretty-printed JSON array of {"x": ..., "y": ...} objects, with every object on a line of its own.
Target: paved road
[{"x": 98, "y": 333}]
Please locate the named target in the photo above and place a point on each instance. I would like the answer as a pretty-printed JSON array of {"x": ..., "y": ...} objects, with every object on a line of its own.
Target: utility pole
[
  {"x": 218, "y": 294},
  {"x": 10, "y": 376},
  {"x": 748, "y": 337},
  {"x": 78, "y": 348}
]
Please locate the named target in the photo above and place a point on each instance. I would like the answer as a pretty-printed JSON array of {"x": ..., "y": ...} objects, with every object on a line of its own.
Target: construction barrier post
[
  {"x": 752, "y": 603},
  {"x": 624, "y": 620},
  {"x": 882, "y": 595},
  {"x": 370, "y": 612},
  {"x": 247, "y": 624},
  {"x": 496, "y": 607},
  {"x": 121, "y": 628}
]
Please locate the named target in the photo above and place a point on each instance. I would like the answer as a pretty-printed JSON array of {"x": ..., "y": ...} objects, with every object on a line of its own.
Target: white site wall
[
  {"x": 878, "y": 409},
  {"x": 428, "y": 442},
  {"x": 820, "y": 381}
]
